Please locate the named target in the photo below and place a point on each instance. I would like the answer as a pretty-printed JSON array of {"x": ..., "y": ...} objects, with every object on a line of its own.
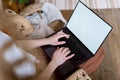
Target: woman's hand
[
  {"x": 60, "y": 56},
  {"x": 53, "y": 40}
]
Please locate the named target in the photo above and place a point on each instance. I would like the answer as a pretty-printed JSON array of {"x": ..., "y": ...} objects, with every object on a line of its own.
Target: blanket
[{"x": 40, "y": 21}]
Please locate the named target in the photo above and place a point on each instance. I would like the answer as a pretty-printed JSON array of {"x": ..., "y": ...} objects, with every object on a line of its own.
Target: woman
[{"x": 59, "y": 56}]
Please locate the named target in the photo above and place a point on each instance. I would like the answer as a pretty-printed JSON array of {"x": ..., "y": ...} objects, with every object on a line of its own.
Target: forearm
[
  {"x": 53, "y": 40},
  {"x": 47, "y": 72},
  {"x": 31, "y": 44}
]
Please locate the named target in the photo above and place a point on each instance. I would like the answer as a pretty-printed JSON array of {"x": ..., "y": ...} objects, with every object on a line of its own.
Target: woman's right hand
[
  {"x": 61, "y": 55},
  {"x": 54, "y": 40}
]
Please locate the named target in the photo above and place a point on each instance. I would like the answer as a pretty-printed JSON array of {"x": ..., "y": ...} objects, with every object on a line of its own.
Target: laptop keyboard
[{"x": 81, "y": 54}]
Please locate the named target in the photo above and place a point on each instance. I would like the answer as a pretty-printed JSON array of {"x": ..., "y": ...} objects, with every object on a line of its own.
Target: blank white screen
[{"x": 88, "y": 27}]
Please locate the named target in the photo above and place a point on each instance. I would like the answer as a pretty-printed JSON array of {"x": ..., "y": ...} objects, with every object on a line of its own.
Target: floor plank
[{"x": 109, "y": 69}]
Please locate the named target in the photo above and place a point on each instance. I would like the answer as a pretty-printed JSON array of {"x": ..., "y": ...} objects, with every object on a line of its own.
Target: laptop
[{"x": 87, "y": 33}]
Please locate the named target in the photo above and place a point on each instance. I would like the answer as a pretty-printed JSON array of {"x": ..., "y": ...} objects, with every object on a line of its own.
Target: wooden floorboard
[{"x": 109, "y": 69}]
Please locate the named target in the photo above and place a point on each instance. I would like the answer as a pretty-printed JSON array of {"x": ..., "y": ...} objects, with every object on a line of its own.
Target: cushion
[{"x": 15, "y": 25}]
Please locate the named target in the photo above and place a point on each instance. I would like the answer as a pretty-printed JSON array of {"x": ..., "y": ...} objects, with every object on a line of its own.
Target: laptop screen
[{"x": 90, "y": 29}]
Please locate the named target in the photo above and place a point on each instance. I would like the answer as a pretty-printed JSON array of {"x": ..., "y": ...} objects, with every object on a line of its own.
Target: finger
[
  {"x": 61, "y": 31},
  {"x": 61, "y": 49},
  {"x": 61, "y": 42},
  {"x": 62, "y": 34},
  {"x": 58, "y": 49},
  {"x": 67, "y": 52},
  {"x": 68, "y": 57}
]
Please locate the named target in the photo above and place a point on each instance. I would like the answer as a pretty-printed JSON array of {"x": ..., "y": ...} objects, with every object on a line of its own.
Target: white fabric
[
  {"x": 40, "y": 25},
  {"x": 14, "y": 54},
  {"x": 4, "y": 39},
  {"x": 41, "y": 29},
  {"x": 24, "y": 69},
  {"x": 52, "y": 13}
]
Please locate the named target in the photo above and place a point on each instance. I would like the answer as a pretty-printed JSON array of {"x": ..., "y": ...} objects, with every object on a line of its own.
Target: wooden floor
[{"x": 109, "y": 69}]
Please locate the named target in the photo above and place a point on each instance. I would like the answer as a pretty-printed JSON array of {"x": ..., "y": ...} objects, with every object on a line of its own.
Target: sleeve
[
  {"x": 11, "y": 53},
  {"x": 14, "y": 54}
]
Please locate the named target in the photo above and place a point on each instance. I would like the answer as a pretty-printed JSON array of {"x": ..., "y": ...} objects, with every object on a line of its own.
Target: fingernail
[
  {"x": 67, "y": 47},
  {"x": 64, "y": 41},
  {"x": 70, "y": 51},
  {"x": 68, "y": 36}
]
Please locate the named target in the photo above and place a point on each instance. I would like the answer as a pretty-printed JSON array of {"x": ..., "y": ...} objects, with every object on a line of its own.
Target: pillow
[
  {"x": 21, "y": 62},
  {"x": 31, "y": 9},
  {"x": 15, "y": 25},
  {"x": 48, "y": 11}
]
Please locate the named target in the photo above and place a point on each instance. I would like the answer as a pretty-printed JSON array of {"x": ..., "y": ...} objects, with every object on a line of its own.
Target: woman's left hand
[{"x": 60, "y": 56}]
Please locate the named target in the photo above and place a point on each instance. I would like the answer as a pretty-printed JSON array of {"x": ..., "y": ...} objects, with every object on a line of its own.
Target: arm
[
  {"x": 59, "y": 57},
  {"x": 47, "y": 72},
  {"x": 31, "y": 44}
]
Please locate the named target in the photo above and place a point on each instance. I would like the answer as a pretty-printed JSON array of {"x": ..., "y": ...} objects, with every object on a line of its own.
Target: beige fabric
[
  {"x": 15, "y": 25},
  {"x": 79, "y": 75},
  {"x": 56, "y": 25},
  {"x": 31, "y": 9},
  {"x": 41, "y": 31},
  {"x": 1, "y": 10},
  {"x": 44, "y": 23},
  {"x": 22, "y": 63}
]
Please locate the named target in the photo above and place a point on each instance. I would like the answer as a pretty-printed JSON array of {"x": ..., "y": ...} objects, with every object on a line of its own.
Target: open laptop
[{"x": 87, "y": 33}]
